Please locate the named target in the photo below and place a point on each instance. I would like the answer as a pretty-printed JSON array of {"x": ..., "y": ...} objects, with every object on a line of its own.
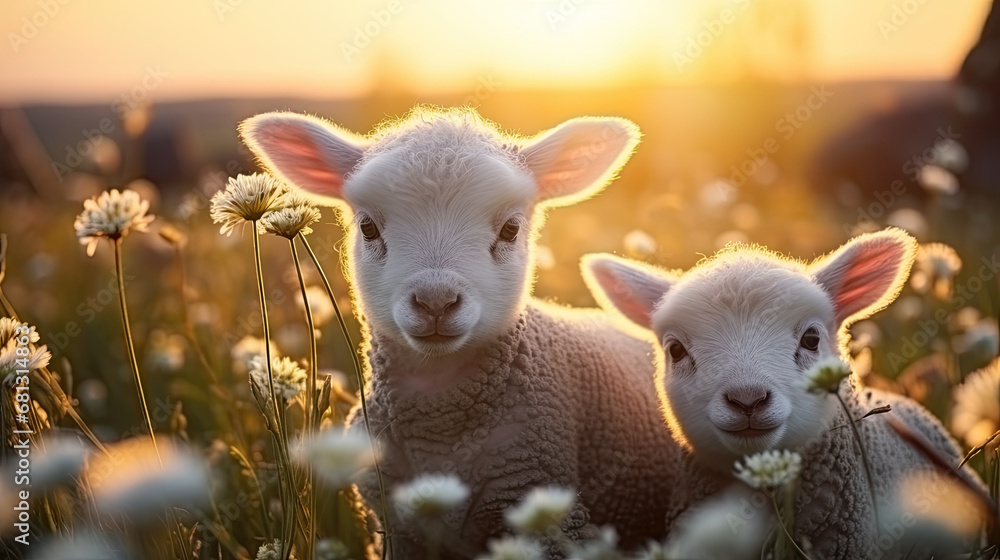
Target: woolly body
[
  {"x": 564, "y": 398},
  {"x": 740, "y": 332},
  {"x": 441, "y": 210}
]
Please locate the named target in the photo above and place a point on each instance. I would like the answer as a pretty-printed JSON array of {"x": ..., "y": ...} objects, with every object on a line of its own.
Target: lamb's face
[
  {"x": 738, "y": 341},
  {"x": 740, "y": 332},
  {"x": 442, "y": 205},
  {"x": 443, "y": 260}
]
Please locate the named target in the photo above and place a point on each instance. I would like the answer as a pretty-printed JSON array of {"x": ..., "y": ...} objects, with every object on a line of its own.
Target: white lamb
[
  {"x": 739, "y": 332},
  {"x": 469, "y": 374}
]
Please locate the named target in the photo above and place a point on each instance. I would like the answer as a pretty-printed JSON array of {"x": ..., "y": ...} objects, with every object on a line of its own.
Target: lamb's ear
[
  {"x": 631, "y": 287},
  {"x": 305, "y": 151},
  {"x": 866, "y": 274},
  {"x": 578, "y": 158}
]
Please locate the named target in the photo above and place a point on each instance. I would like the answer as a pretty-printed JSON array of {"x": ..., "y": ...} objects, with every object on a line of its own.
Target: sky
[{"x": 96, "y": 50}]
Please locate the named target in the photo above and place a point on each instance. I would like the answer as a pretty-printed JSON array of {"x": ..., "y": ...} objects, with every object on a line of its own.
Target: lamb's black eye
[
  {"x": 509, "y": 230},
  {"x": 369, "y": 229},
  {"x": 676, "y": 351},
  {"x": 810, "y": 339}
]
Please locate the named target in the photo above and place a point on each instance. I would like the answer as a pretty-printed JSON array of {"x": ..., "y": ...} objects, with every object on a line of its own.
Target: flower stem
[
  {"x": 864, "y": 459},
  {"x": 312, "y": 417},
  {"x": 133, "y": 364},
  {"x": 777, "y": 511},
  {"x": 361, "y": 389},
  {"x": 288, "y": 512}
]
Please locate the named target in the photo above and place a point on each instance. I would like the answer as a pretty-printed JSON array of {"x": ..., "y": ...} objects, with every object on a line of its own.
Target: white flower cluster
[
  {"x": 113, "y": 215},
  {"x": 261, "y": 198},
  {"x": 289, "y": 378},
  {"x": 769, "y": 469},
  {"x": 430, "y": 495}
]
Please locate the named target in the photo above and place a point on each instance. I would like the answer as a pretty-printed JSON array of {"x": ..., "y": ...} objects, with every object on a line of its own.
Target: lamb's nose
[
  {"x": 436, "y": 302},
  {"x": 747, "y": 402}
]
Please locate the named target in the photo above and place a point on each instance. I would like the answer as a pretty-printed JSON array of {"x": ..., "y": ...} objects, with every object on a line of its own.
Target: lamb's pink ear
[
  {"x": 866, "y": 274},
  {"x": 305, "y": 151},
  {"x": 631, "y": 287},
  {"x": 578, "y": 158}
]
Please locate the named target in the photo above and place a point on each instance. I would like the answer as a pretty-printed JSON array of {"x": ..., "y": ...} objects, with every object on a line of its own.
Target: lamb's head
[
  {"x": 441, "y": 209},
  {"x": 741, "y": 330}
]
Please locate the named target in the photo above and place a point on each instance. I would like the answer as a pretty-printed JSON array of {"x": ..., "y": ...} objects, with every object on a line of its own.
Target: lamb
[
  {"x": 468, "y": 374},
  {"x": 739, "y": 333}
]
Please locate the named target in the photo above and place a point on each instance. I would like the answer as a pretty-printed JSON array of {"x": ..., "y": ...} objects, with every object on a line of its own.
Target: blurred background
[{"x": 791, "y": 123}]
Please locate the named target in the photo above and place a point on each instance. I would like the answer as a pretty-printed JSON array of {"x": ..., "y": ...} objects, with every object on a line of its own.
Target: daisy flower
[
  {"x": 769, "y": 469},
  {"x": 246, "y": 198},
  {"x": 113, "y": 215}
]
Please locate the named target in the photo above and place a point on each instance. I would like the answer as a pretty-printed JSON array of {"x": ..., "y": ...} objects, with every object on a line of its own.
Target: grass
[{"x": 248, "y": 441}]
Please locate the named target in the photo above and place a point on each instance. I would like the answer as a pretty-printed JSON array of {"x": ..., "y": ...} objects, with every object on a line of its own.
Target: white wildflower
[
  {"x": 113, "y": 215},
  {"x": 11, "y": 364},
  {"x": 601, "y": 548},
  {"x": 721, "y": 526},
  {"x": 540, "y": 509},
  {"x": 934, "y": 269},
  {"x": 9, "y": 328},
  {"x": 331, "y": 549},
  {"x": 319, "y": 303},
  {"x": 982, "y": 338},
  {"x": 131, "y": 482},
  {"x": 430, "y": 495},
  {"x": 653, "y": 551},
  {"x": 80, "y": 545},
  {"x": 545, "y": 258},
  {"x": 248, "y": 348},
  {"x": 166, "y": 351},
  {"x": 293, "y": 219},
  {"x": 976, "y": 414},
  {"x": 639, "y": 244},
  {"x": 769, "y": 469},
  {"x": 289, "y": 378},
  {"x": 337, "y": 457},
  {"x": 59, "y": 462},
  {"x": 513, "y": 548},
  {"x": 937, "y": 179},
  {"x": 825, "y": 375},
  {"x": 271, "y": 551},
  {"x": 246, "y": 198},
  {"x": 952, "y": 155}
]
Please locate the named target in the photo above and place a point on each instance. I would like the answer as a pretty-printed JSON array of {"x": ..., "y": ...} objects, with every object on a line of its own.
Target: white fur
[
  {"x": 741, "y": 315},
  {"x": 468, "y": 374},
  {"x": 440, "y": 185}
]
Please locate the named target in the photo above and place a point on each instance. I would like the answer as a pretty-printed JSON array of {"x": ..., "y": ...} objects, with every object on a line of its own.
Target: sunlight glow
[{"x": 314, "y": 48}]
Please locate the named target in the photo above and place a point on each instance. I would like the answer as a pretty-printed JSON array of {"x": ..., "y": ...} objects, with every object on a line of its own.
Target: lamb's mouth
[
  {"x": 437, "y": 338},
  {"x": 751, "y": 433},
  {"x": 437, "y": 344}
]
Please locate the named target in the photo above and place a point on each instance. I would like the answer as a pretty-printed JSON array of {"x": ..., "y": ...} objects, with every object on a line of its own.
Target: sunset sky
[{"x": 98, "y": 49}]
